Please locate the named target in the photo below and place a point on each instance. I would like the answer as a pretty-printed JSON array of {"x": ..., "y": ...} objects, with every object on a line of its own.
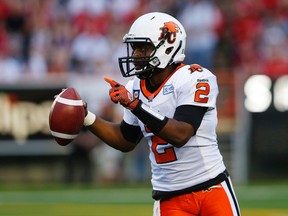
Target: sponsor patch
[
  {"x": 202, "y": 80},
  {"x": 167, "y": 89}
]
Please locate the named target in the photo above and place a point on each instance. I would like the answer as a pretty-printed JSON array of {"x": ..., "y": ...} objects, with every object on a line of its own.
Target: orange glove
[{"x": 118, "y": 93}]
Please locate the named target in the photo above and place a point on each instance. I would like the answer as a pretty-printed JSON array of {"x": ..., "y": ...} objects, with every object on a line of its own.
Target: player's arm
[
  {"x": 120, "y": 136},
  {"x": 177, "y": 131},
  {"x": 184, "y": 124}
]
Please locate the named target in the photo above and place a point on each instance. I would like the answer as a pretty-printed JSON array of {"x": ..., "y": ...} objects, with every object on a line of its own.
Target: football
[{"x": 66, "y": 116}]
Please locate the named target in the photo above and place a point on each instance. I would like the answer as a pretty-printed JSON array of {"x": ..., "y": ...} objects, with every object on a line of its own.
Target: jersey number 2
[
  {"x": 167, "y": 156},
  {"x": 203, "y": 89}
]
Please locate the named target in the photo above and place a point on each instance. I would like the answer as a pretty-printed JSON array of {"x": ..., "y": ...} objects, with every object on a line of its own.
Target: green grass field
[{"x": 264, "y": 200}]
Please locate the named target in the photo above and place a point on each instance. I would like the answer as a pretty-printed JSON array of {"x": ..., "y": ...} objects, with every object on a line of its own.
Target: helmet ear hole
[{"x": 169, "y": 50}]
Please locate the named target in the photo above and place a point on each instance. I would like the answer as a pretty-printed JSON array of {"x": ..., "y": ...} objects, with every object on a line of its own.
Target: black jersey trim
[
  {"x": 190, "y": 114},
  {"x": 130, "y": 132}
]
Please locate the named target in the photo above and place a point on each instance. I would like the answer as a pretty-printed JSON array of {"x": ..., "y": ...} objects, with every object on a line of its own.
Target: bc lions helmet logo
[
  {"x": 171, "y": 27},
  {"x": 168, "y": 31}
]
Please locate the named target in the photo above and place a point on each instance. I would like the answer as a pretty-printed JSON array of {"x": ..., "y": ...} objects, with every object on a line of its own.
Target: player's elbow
[
  {"x": 179, "y": 142},
  {"x": 178, "y": 136},
  {"x": 127, "y": 147},
  {"x": 125, "y": 150}
]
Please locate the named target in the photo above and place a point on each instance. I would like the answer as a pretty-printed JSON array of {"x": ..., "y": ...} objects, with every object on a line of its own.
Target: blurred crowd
[
  {"x": 39, "y": 37},
  {"x": 260, "y": 36}
]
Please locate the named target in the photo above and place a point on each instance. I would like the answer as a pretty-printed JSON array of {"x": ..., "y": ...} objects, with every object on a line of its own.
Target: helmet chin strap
[
  {"x": 146, "y": 73},
  {"x": 148, "y": 70}
]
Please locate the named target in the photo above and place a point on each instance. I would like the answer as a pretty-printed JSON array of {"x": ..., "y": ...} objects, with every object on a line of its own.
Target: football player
[{"x": 173, "y": 106}]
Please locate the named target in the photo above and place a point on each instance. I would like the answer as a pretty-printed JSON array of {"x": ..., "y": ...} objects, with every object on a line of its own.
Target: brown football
[{"x": 66, "y": 116}]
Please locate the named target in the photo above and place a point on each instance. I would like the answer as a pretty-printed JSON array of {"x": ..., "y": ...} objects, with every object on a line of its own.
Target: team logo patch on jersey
[
  {"x": 167, "y": 89},
  {"x": 195, "y": 67},
  {"x": 136, "y": 93}
]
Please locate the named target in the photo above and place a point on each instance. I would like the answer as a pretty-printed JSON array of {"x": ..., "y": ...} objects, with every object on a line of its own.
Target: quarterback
[{"x": 173, "y": 106}]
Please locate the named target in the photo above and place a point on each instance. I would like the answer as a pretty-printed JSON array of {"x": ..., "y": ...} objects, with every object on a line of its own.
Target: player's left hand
[{"x": 118, "y": 93}]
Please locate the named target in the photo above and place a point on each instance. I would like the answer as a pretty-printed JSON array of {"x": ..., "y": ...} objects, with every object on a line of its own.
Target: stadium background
[{"x": 49, "y": 45}]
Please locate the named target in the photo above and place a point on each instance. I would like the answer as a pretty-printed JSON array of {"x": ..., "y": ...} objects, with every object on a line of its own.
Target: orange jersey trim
[{"x": 150, "y": 95}]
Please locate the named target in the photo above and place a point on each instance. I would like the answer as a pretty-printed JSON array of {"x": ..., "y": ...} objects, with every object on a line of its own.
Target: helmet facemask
[{"x": 141, "y": 66}]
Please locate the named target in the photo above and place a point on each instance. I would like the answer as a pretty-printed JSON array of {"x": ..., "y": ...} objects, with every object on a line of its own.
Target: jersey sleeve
[{"x": 198, "y": 89}]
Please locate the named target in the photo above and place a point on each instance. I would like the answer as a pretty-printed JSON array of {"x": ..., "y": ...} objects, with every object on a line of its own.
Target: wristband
[
  {"x": 89, "y": 119},
  {"x": 153, "y": 120}
]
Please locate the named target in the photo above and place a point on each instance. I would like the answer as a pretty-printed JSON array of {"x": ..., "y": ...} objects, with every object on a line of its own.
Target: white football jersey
[{"x": 199, "y": 159}]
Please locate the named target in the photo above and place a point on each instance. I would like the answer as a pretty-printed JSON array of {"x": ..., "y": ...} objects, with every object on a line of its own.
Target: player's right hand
[{"x": 118, "y": 93}]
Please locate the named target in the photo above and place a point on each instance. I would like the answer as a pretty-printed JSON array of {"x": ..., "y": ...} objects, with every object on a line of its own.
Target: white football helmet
[{"x": 167, "y": 36}]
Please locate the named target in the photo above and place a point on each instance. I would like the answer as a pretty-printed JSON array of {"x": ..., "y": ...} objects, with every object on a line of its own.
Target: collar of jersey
[{"x": 150, "y": 95}]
